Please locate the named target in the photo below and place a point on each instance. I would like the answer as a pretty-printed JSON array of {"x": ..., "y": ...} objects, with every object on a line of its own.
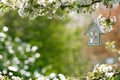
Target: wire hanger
[{"x": 92, "y": 19}]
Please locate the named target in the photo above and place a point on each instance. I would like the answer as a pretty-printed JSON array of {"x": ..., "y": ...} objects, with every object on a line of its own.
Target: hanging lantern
[{"x": 94, "y": 34}]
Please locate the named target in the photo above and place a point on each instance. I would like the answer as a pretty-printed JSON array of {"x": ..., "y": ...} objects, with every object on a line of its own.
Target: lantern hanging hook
[
  {"x": 110, "y": 8},
  {"x": 90, "y": 14},
  {"x": 109, "y": 14}
]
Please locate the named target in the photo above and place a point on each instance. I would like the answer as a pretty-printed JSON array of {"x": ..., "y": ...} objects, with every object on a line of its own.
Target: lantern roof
[{"x": 93, "y": 27}]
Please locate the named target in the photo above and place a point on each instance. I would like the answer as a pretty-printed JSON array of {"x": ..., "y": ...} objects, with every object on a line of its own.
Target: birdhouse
[{"x": 94, "y": 34}]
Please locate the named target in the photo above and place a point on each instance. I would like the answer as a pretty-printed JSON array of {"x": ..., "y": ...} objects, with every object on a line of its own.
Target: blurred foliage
[
  {"x": 111, "y": 46},
  {"x": 53, "y": 8},
  {"x": 104, "y": 72},
  {"x": 17, "y": 57},
  {"x": 60, "y": 48}
]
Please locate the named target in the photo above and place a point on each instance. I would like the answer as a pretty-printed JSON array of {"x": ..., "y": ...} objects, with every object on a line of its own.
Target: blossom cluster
[
  {"x": 17, "y": 56},
  {"x": 106, "y": 24},
  {"x": 102, "y": 72},
  {"x": 111, "y": 46},
  {"x": 3, "y": 77},
  {"x": 35, "y": 8},
  {"x": 48, "y": 8},
  {"x": 52, "y": 76}
]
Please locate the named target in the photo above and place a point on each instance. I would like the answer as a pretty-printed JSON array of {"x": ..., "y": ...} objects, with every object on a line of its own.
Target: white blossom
[
  {"x": 31, "y": 59},
  {"x": 28, "y": 74},
  {"x": 4, "y": 1},
  {"x": 109, "y": 74},
  {"x": 22, "y": 71},
  {"x": 2, "y": 35},
  {"x": 55, "y": 78},
  {"x": 51, "y": 76},
  {"x": 15, "y": 78},
  {"x": 37, "y": 74},
  {"x": 12, "y": 68},
  {"x": 16, "y": 60},
  {"x": 34, "y": 48},
  {"x": 5, "y": 29},
  {"x": 17, "y": 39},
  {"x": 95, "y": 6},
  {"x": 4, "y": 71},
  {"x": 10, "y": 73},
  {"x": 67, "y": 2},
  {"x": 28, "y": 48},
  {"x": 1, "y": 77},
  {"x": 37, "y": 55},
  {"x": 62, "y": 77},
  {"x": 1, "y": 57},
  {"x": 26, "y": 61},
  {"x": 107, "y": 69},
  {"x": 26, "y": 67},
  {"x": 41, "y": 78},
  {"x": 20, "y": 48}
]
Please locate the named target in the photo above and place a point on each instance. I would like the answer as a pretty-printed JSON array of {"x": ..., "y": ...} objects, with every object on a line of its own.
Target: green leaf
[
  {"x": 112, "y": 78},
  {"x": 105, "y": 2}
]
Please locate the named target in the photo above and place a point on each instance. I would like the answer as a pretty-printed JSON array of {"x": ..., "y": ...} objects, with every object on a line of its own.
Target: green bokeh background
[{"x": 61, "y": 49}]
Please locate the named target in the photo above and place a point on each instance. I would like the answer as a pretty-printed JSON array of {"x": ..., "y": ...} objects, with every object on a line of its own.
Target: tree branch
[
  {"x": 93, "y": 2},
  {"x": 86, "y": 5},
  {"x": 118, "y": 73}
]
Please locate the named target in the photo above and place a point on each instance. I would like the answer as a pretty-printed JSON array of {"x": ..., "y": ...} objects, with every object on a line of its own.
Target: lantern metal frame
[{"x": 94, "y": 34}]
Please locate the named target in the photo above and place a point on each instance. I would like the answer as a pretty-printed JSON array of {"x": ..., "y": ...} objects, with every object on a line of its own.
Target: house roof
[{"x": 93, "y": 25}]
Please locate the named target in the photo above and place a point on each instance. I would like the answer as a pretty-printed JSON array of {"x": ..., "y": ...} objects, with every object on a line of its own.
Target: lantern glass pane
[
  {"x": 96, "y": 38},
  {"x": 91, "y": 34},
  {"x": 91, "y": 40}
]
